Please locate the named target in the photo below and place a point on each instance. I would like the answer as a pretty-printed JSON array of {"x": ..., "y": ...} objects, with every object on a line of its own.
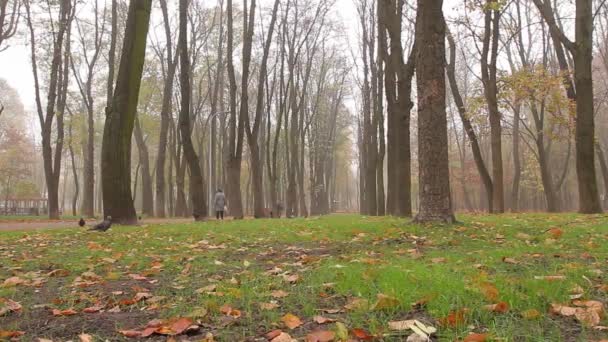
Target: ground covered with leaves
[{"x": 528, "y": 277}]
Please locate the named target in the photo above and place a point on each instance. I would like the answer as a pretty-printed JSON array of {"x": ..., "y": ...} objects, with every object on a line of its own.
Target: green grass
[{"x": 446, "y": 266}]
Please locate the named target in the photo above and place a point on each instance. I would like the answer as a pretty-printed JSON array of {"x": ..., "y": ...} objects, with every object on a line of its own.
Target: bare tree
[
  {"x": 56, "y": 99},
  {"x": 581, "y": 92},
  {"x": 9, "y": 20}
]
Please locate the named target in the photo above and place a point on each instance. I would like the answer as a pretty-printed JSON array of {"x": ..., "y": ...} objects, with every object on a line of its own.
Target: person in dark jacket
[{"x": 219, "y": 204}]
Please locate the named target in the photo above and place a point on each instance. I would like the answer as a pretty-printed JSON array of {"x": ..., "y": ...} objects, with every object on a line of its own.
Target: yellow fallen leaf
[{"x": 291, "y": 321}]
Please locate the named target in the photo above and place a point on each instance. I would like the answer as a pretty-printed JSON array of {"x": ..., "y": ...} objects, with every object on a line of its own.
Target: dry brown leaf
[
  {"x": 85, "y": 338},
  {"x": 279, "y": 294},
  {"x": 291, "y": 321},
  {"x": 67, "y": 312},
  {"x": 284, "y": 337},
  {"x": 321, "y": 336},
  {"x": 322, "y": 320},
  {"x": 357, "y": 304},
  {"x": 401, "y": 325}
]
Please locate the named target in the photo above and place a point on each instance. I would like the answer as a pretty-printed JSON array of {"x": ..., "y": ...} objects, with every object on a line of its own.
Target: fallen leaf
[
  {"x": 67, "y": 312},
  {"x": 385, "y": 302},
  {"x": 180, "y": 325},
  {"x": 321, "y": 336},
  {"x": 279, "y": 294},
  {"x": 362, "y": 334},
  {"x": 9, "y": 305},
  {"x": 272, "y": 334},
  {"x": 13, "y": 281},
  {"x": 268, "y": 306},
  {"x": 401, "y": 325},
  {"x": 562, "y": 310},
  {"x": 500, "y": 307},
  {"x": 555, "y": 233},
  {"x": 11, "y": 333},
  {"x": 530, "y": 314},
  {"x": 550, "y": 278},
  {"x": 473, "y": 337},
  {"x": 357, "y": 304},
  {"x": 291, "y": 321},
  {"x": 454, "y": 318},
  {"x": 509, "y": 260},
  {"x": 322, "y": 320},
  {"x": 489, "y": 291},
  {"x": 283, "y": 337},
  {"x": 93, "y": 309},
  {"x": 438, "y": 260},
  {"x": 130, "y": 333},
  {"x": 85, "y": 338}
]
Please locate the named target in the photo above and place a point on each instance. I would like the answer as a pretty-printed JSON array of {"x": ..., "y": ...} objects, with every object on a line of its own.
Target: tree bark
[
  {"x": 120, "y": 117},
  {"x": 197, "y": 184},
  {"x": 147, "y": 197},
  {"x": 434, "y": 174},
  {"x": 165, "y": 113},
  {"x": 467, "y": 125},
  {"x": 489, "y": 79}
]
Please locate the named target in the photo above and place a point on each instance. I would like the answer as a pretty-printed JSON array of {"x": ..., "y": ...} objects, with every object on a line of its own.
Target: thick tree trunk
[
  {"x": 398, "y": 82},
  {"x": 434, "y": 174},
  {"x": 589, "y": 200},
  {"x": 120, "y": 117}
]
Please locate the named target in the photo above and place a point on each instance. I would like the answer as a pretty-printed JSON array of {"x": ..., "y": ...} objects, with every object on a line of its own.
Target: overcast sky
[{"x": 15, "y": 64}]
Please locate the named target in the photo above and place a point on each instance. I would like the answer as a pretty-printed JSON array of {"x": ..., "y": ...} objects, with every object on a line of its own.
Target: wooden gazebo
[{"x": 24, "y": 206}]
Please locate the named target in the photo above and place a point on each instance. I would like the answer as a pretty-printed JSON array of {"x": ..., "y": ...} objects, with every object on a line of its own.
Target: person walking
[{"x": 220, "y": 204}]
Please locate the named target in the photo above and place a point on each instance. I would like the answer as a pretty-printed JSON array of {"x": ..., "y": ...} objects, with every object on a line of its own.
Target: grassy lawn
[{"x": 501, "y": 277}]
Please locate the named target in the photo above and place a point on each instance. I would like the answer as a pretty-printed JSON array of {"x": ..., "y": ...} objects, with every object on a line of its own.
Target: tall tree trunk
[
  {"x": 398, "y": 82},
  {"x": 434, "y": 173},
  {"x": 589, "y": 200},
  {"x": 55, "y": 104},
  {"x": 489, "y": 79},
  {"x": 120, "y": 117},
  {"x": 467, "y": 125},
  {"x": 604, "y": 168},
  {"x": 165, "y": 114},
  {"x": 197, "y": 184},
  {"x": 257, "y": 166},
  {"x": 516, "y": 160}
]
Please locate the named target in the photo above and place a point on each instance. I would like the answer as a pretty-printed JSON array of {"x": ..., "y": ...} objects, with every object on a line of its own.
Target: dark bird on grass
[
  {"x": 81, "y": 223},
  {"x": 103, "y": 226}
]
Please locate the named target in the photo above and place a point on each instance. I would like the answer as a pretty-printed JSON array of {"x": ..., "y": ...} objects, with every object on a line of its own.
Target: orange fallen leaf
[
  {"x": 473, "y": 337},
  {"x": 555, "y": 233},
  {"x": 500, "y": 307},
  {"x": 11, "y": 333},
  {"x": 321, "y": 336},
  {"x": 291, "y": 321},
  {"x": 130, "y": 333},
  {"x": 489, "y": 291},
  {"x": 362, "y": 334},
  {"x": 181, "y": 325},
  {"x": 454, "y": 318},
  {"x": 229, "y": 311},
  {"x": 67, "y": 312}
]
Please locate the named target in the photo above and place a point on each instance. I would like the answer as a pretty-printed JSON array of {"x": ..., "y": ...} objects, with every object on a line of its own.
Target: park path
[{"x": 36, "y": 225}]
